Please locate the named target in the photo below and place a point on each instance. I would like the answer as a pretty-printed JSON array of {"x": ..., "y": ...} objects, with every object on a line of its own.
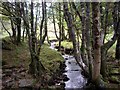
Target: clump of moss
[{"x": 50, "y": 58}]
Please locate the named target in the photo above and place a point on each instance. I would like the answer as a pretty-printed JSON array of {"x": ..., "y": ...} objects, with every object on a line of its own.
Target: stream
[{"x": 73, "y": 72}]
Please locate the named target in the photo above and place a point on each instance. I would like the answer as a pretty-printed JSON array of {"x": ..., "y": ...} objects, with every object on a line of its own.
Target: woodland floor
[{"x": 15, "y": 64}]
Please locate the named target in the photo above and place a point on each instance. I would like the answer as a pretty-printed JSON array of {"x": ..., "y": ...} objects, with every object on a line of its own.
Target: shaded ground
[{"x": 15, "y": 63}]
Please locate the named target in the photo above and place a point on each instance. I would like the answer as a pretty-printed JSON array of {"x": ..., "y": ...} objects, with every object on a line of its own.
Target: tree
[
  {"x": 117, "y": 53},
  {"x": 96, "y": 43},
  {"x": 18, "y": 21},
  {"x": 83, "y": 22},
  {"x": 88, "y": 40},
  {"x": 36, "y": 68},
  {"x": 106, "y": 46}
]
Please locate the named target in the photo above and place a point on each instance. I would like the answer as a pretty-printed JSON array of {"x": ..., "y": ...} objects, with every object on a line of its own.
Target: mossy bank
[{"x": 15, "y": 57}]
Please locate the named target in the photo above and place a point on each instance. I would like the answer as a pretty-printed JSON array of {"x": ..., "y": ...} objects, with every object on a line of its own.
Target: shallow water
[
  {"x": 76, "y": 79},
  {"x": 73, "y": 72}
]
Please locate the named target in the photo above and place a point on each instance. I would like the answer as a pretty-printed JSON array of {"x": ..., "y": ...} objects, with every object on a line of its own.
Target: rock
[
  {"x": 69, "y": 62},
  {"x": 25, "y": 82},
  {"x": 66, "y": 58},
  {"x": 75, "y": 70},
  {"x": 22, "y": 74},
  {"x": 65, "y": 78},
  {"x": 10, "y": 84},
  {"x": 7, "y": 72}
]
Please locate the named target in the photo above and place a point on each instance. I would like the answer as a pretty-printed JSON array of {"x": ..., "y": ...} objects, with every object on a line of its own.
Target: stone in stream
[
  {"x": 75, "y": 70},
  {"x": 66, "y": 58},
  {"x": 69, "y": 62},
  {"x": 65, "y": 78}
]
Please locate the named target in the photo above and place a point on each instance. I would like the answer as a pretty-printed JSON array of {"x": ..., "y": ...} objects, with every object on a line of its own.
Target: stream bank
[{"x": 15, "y": 63}]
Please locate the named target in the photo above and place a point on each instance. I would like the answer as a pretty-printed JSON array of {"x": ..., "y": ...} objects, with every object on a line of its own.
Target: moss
[
  {"x": 65, "y": 44},
  {"x": 20, "y": 55},
  {"x": 115, "y": 79},
  {"x": 50, "y": 58}
]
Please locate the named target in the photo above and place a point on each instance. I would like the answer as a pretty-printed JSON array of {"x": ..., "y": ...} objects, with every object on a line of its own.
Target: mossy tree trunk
[
  {"x": 36, "y": 68},
  {"x": 88, "y": 40}
]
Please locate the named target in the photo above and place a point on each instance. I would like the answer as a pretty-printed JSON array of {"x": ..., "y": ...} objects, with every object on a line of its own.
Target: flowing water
[{"x": 73, "y": 72}]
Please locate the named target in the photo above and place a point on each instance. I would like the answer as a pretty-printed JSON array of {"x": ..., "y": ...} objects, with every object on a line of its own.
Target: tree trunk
[
  {"x": 60, "y": 28},
  {"x": 18, "y": 20},
  {"x": 42, "y": 22},
  {"x": 96, "y": 43},
  {"x": 117, "y": 54},
  {"x": 83, "y": 45},
  {"x": 54, "y": 24},
  {"x": 44, "y": 36},
  {"x": 88, "y": 39},
  {"x": 107, "y": 45},
  {"x": 63, "y": 31},
  {"x": 13, "y": 30},
  {"x": 18, "y": 31},
  {"x": 36, "y": 68}
]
